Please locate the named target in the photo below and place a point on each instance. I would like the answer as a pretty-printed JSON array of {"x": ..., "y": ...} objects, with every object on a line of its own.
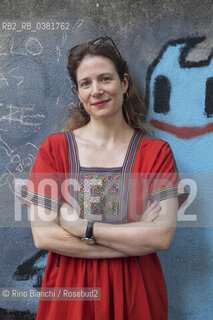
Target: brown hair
[{"x": 134, "y": 110}]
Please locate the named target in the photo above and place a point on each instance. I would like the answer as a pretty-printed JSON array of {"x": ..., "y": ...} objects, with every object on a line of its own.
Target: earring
[
  {"x": 126, "y": 96},
  {"x": 80, "y": 105}
]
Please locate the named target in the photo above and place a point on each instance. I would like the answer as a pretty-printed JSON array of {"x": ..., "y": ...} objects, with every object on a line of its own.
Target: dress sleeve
[
  {"x": 43, "y": 186},
  {"x": 164, "y": 180}
]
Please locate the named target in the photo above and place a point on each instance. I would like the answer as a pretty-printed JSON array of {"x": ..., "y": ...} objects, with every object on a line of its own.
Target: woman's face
[{"x": 99, "y": 86}]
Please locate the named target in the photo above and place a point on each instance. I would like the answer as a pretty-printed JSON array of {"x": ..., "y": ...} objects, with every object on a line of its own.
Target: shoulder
[
  {"x": 154, "y": 155},
  {"x": 54, "y": 152},
  {"x": 55, "y": 139},
  {"x": 55, "y": 142},
  {"x": 151, "y": 150},
  {"x": 151, "y": 144}
]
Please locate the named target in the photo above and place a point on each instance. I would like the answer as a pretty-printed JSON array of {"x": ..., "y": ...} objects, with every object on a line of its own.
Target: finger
[
  {"x": 155, "y": 216},
  {"x": 157, "y": 208},
  {"x": 152, "y": 208},
  {"x": 150, "y": 217},
  {"x": 154, "y": 204},
  {"x": 151, "y": 213}
]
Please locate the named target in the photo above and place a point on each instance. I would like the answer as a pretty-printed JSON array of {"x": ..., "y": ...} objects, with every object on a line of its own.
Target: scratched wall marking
[
  {"x": 5, "y": 81},
  {"x": 21, "y": 115},
  {"x": 16, "y": 45},
  {"x": 16, "y": 76},
  {"x": 78, "y": 24},
  {"x": 58, "y": 49},
  {"x": 19, "y": 160}
]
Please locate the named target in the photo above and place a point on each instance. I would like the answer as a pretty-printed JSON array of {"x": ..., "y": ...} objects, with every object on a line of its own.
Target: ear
[
  {"x": 76, "y": 90},
  {"x": 125, "y": 82}
]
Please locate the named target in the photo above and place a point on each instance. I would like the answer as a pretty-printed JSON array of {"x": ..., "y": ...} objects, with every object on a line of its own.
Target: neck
[{"x": 108, "y": 129}]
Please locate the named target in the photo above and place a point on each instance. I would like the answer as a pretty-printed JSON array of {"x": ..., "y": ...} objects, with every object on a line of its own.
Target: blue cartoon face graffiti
[{"x": 179, "y": 93}]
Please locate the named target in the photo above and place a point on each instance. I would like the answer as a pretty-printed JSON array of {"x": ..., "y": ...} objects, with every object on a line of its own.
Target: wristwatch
[{"x": 88, "y": 237}]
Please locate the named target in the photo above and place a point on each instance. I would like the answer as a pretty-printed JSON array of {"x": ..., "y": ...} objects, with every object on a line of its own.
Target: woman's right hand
[{"x": 152, "y": 212}]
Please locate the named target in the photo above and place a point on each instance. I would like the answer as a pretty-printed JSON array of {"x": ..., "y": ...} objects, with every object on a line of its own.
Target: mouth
[
  {"x": 100, "y": 103},
  {"x": 182, "y": 132}
]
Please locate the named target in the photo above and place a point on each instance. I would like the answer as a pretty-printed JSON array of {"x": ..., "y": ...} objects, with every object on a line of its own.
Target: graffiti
[
  {"x": 58, "y": 49},
  {"x": 78, "y": 24},
  {"x": 7, "y": 81},
  {"x": 33, "y": 46},
  {"x": 21, "y": 115},
  {"x": 19, "y": 160},
  {"x": 3, "y": 81},
  {"x": 13, "y": 45},
  {"x": 17, "y": 315},
  {"x": 16, "y": 76},
  {"x": 32, "y": 268},
  {"x": 180, "y": 91}
]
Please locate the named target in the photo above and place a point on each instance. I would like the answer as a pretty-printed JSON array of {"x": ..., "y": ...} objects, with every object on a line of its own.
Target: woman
[{"x": 105, "y": 169}]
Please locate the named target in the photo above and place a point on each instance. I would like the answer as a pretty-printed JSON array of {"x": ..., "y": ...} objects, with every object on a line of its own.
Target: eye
[
  {"x": 162, "y": 92},
  {"x": 85, "y": 83},
  {"x": 105, "y": 79},
  {"x": 209, "y": 100}
]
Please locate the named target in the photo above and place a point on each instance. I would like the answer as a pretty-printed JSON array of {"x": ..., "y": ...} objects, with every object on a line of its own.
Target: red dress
[{"x": 132, "y": 287}]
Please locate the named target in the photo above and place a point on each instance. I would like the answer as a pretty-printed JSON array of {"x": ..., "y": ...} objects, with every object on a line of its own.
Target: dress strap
[
  {"x": 74, "y": 169},
  {"x": 127, "y": 174}
]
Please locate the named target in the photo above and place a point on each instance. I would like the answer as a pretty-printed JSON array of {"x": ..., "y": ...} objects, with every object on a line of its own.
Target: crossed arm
[{"x": 153, "y": 233}]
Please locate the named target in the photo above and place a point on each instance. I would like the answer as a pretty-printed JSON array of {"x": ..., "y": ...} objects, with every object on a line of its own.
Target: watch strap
[{"x": 89, "y": 230}]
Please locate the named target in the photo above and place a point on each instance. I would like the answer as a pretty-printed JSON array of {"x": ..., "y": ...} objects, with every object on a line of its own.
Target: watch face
[{"x": 89, "y": 240}]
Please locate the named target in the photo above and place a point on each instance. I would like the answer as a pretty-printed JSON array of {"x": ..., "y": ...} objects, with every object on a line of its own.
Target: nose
[{"x": 96, "y": 88}]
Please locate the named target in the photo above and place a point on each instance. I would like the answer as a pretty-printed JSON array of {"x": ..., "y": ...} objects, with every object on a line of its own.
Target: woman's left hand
[
  {"x": 152, "y": 212},
  {"x": 69, "y": 220}
]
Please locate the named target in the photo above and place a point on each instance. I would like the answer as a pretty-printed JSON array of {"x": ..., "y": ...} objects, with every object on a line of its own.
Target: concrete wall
[{"x": 168, "y": 45}]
